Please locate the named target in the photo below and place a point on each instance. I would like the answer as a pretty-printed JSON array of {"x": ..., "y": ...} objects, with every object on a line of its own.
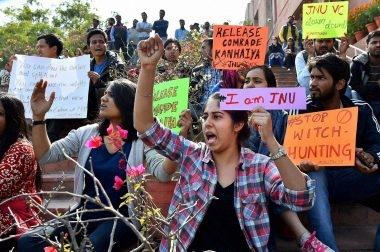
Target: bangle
[{"x": 34, "y": 123}]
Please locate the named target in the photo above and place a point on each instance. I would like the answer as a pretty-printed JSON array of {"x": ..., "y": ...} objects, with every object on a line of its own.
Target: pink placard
[{"x": 268, "y": 98}]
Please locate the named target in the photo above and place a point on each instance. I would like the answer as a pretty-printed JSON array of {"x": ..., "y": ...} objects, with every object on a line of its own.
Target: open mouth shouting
[{"x": 210, "y": 138}]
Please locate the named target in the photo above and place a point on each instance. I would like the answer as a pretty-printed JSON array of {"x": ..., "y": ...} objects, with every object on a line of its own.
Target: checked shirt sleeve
[
  {"x": 294, "y": 200},
  {"x": 167, "y": 143}
]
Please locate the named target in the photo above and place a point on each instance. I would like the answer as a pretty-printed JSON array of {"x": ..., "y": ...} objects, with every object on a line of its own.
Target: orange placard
[
  {"x": 326, "y": 138},
  {"x": 234, "y": 45}
]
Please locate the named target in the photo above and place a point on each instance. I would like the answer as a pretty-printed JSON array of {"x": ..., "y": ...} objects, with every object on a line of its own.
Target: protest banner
[
  {"x": 324, "y": 20},
  {"x": 66, "y": 77},
  {"x": 170, "y": 98},
  {"x": 326, "y": 138},
  {"x": 268, "y": 98},
  {"x": 235, "y": 45}
]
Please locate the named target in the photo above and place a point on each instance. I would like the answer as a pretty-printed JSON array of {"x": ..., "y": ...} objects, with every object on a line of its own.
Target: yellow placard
[
  {"x": 326, "y": 138},
  {"x": 324, "y": 20}
]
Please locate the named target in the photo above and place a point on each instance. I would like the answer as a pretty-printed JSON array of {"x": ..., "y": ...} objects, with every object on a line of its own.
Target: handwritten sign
[
  {"x": 326, "y": 138},
  {"x": 236, "y": 45},
  {"x": 268, "y": 98},
  {"x": 325, "y": 20},
  {"x": 66, "y": 77},
  {"x": 170, "y": 98}
]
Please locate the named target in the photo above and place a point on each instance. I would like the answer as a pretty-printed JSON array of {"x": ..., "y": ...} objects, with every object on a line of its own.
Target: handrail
[{"x": 357, "y": 50}]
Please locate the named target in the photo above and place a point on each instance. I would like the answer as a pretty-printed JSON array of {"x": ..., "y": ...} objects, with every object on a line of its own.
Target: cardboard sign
[
  {"x": 66, "y": 77},
  {"x": 170, "y": 98},
  {"x": 236, "y": 45},
  {"x": 326, "y": 138},
  {"x": 324, "y": 20},
  {"x": 268, "y": 98}
]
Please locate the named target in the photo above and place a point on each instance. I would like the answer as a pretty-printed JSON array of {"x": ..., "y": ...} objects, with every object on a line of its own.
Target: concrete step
[
  {"x": 284, "y": 77},
  {"x": 65, "y": 166},
  {"x": 358, "y": 238},
  {"x": 354, "y": 226},
  {"x": 52, "y": 181}
]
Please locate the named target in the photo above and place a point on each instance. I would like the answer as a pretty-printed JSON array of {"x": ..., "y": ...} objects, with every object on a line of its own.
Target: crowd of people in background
[{"x": 241, "y": 159}]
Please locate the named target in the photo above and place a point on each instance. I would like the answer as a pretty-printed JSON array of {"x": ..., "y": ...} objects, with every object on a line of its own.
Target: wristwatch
[{"x": 280, "y": 153}]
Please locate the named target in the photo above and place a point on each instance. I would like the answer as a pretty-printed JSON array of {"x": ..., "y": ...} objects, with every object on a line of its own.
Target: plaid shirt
[{"x": 257, "y": 182}]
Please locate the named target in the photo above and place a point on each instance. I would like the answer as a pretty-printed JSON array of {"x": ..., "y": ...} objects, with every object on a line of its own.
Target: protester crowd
[{"x": 240, "y": 159}]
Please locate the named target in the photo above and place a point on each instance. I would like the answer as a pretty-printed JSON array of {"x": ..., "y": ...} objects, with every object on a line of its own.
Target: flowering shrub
[{"x": 361, "y": 15}]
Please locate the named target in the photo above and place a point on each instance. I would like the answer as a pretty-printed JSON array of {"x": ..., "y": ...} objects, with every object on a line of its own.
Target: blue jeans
[
  {"x": 97, "y": 232},
  {"x": 338, "y": 185},
  {"x": 276, "y": 59}
]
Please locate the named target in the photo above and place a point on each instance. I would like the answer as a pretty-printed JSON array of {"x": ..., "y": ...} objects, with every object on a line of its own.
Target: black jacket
[
  {"x": 359, "y": 77},
  {"x": 368, "y": 129},
  {"x": 114, "y": 69}
]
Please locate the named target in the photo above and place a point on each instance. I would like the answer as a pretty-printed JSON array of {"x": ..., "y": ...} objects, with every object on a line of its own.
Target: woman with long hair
[
  {"x": 116, "y": 110},
  {"x": 18, "y": 172},
  {"x": 220, "y": 201}
]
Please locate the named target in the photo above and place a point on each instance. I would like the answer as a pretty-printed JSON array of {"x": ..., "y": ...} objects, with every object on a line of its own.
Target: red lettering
[{"x": 231, "y": 101}]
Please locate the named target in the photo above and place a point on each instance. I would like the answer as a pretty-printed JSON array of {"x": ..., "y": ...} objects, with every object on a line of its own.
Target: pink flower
[
  {"x": 118, "y": 183},
  {"x": 50, "y": 249},
  {"x": 123, "y": 133},
  {"x": 110, "y": 129},
  {"x": 116, "y": 141},
  {"x": 122, "y": 163},
  {"x": 116, "y": 136},
  {"x": 94, "y": 142},
  {"x": 135, "y": 171}
]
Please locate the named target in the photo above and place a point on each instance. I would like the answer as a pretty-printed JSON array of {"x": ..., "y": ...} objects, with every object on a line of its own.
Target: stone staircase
[
  {"x": 284, "y": 77},
  {"x": 58, "y": 175}
]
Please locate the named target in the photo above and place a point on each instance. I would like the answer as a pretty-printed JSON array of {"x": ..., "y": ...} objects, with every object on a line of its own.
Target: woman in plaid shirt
[{"x": 220, "y": 202}]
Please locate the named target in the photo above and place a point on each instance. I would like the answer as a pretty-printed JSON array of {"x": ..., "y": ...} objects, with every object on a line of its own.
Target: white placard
[{"x": 66, "y": 77}]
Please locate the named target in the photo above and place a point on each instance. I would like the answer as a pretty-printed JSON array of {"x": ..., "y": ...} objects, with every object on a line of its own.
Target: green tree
[
  {"x": 70, "y": 22},
  {"x": 73, "y": 15}
]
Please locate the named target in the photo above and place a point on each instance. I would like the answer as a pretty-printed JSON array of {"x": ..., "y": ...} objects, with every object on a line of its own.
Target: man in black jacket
[
  {"x": 328, "y": 80},
  {"x": 105, "y": 66},
  {"x": 365, "y": 73}
]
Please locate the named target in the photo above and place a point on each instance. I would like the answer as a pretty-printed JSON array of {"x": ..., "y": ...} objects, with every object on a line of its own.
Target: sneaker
[{"x": 312, "y": 244}]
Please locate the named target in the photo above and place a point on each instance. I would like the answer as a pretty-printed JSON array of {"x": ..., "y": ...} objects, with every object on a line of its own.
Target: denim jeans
[
  {"x": 338, "y": 185},
  {"x": 276, "y": 59},
  {"x": 98, "y": 233}
]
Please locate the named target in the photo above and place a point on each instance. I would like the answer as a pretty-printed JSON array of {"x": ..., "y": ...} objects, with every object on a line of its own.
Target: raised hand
[
  {"x": 343, "y": 47},
  {"x": 261, "y": 120},
  {"x": 309, "y": 47},
  {"x": 150, "y": 51},
  {"x": 38, "y": 102}
]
